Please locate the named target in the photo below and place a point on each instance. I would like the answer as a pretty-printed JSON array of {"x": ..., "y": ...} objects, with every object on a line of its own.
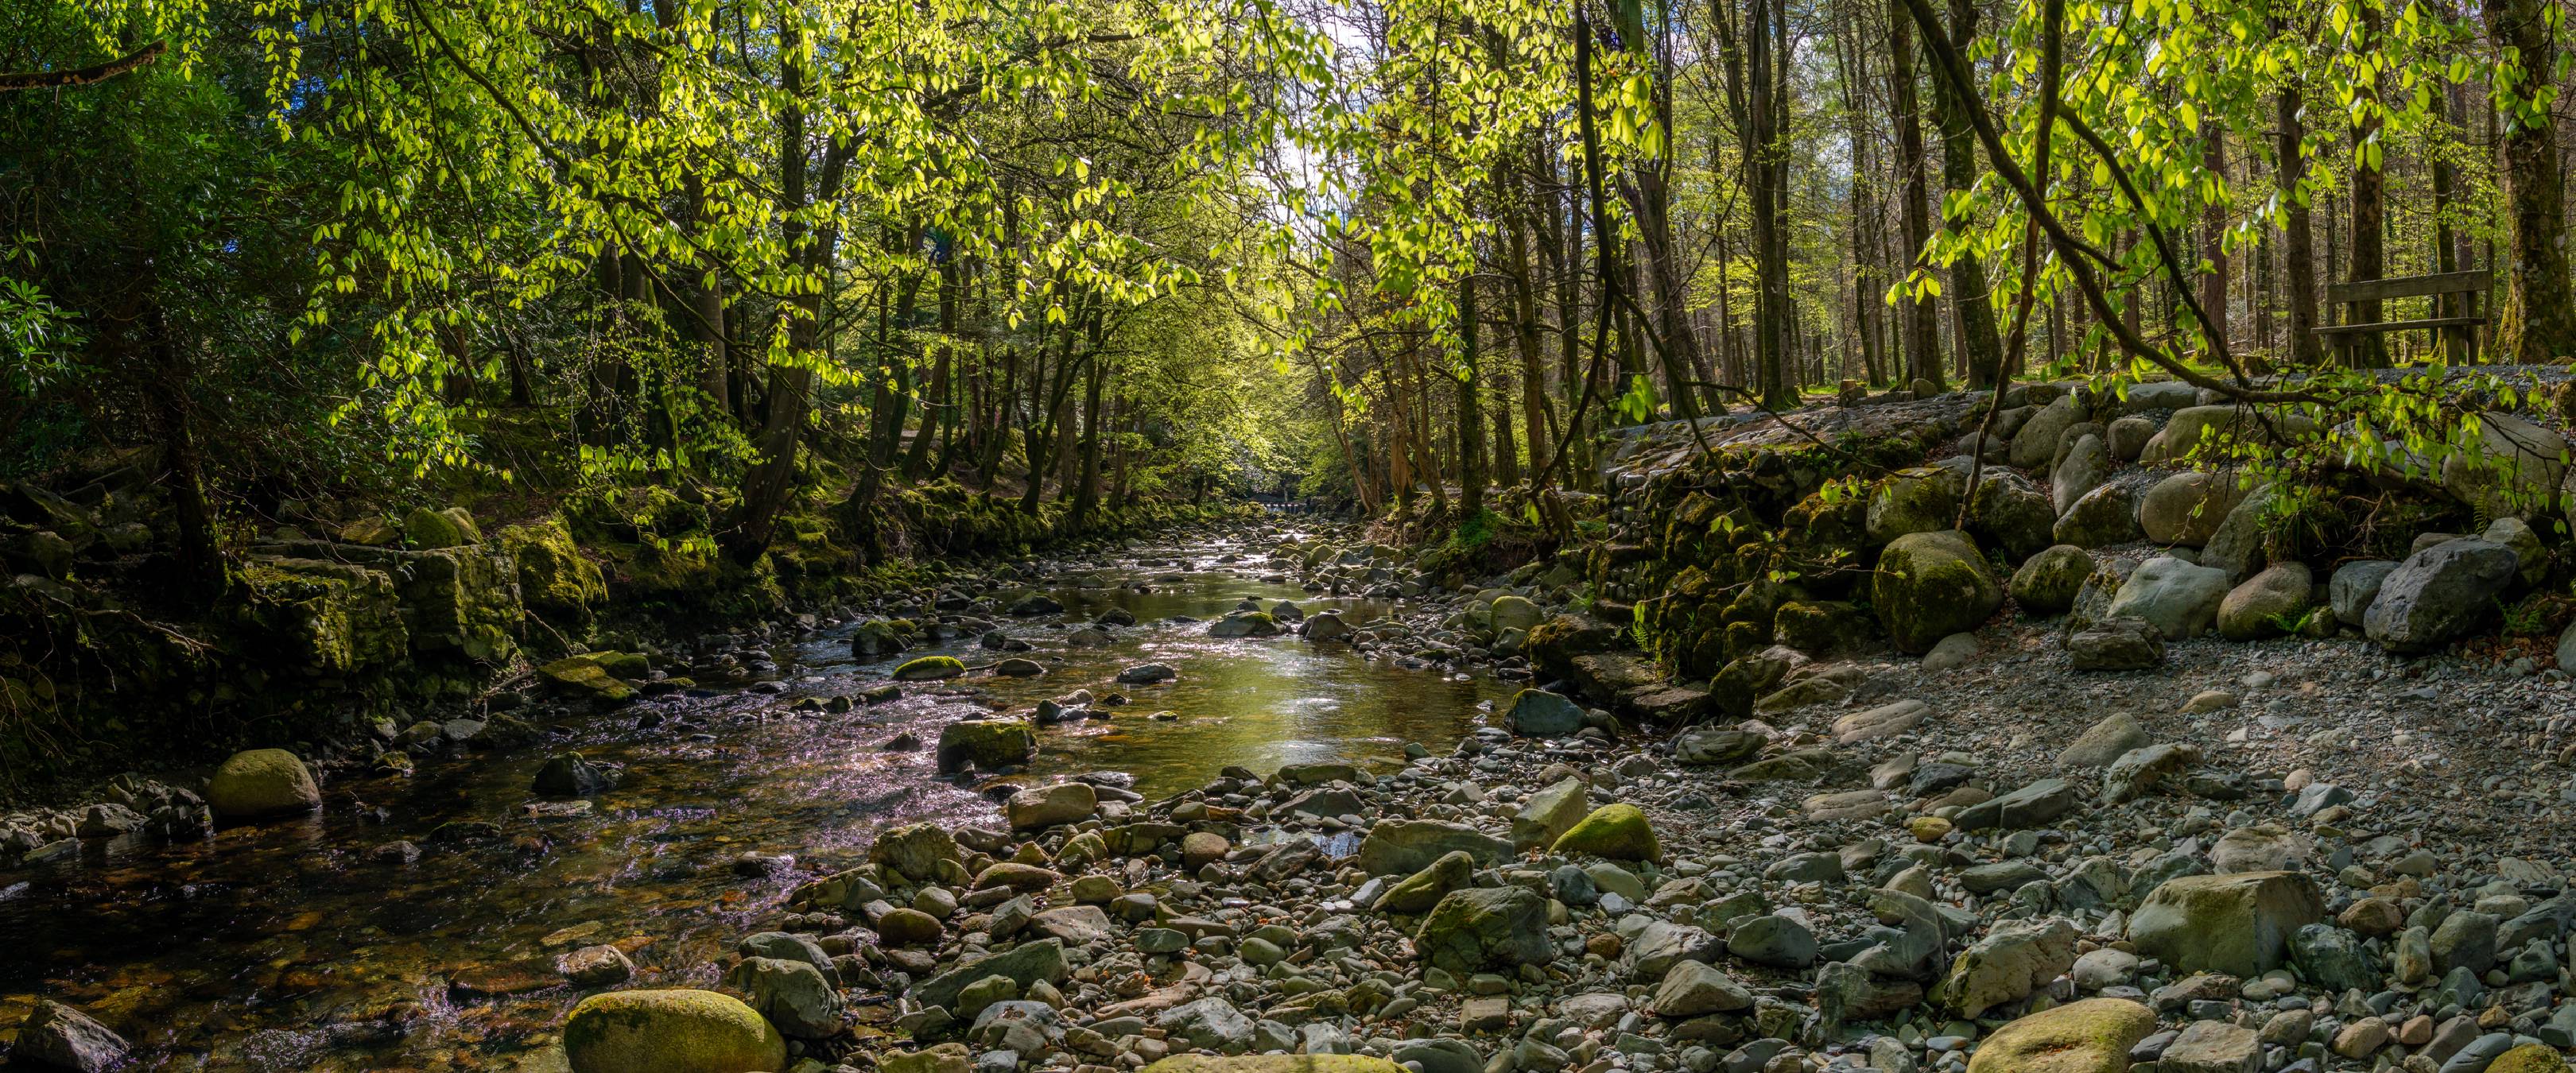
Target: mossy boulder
[
  {"x": 681, "y": 1030},
  {"x": 1931, "y": 585},
  {"x": 2238, "y": 924},
  {"x": 2187, "y": 508},
  {"x": 2100, "y": 518},
  {"x": 1616, "y": 831},
  {"x": 1515, "y": 613},
  {"x": 1483, "y": 928},
  {"x": 429, "y": 530},
  {"x": 2048, "y": 582},
  {"x": 929, "y": 668},
  {"x": 1419, "y": 892},
  {"x": 987, "y": 744},
  {"x": 1274, "y": 1063},
  {"x": 2092, "y": 1036},
  {"x": 1244, "y": 624},
  {"x": 1921, "y": 499},
  {"x": 1819, "y": 627},
  {"x": 1538, "y": 713},
  {"x": 2528, "y": 1058},
  {"x": 878, "y": 638},
  {"x": 585, "y": 676},
  {"x": 324, "y": 619},
  {"x": 556, "y": 580},
  {"x": 262, "y": 782}
]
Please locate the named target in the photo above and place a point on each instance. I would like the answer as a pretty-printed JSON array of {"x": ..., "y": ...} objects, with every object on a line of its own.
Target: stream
[{"x": 309, "y": 944}]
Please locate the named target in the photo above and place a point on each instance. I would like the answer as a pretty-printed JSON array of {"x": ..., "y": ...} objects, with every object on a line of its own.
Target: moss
[
  {"x": 428, "y": 530},
  {"x": 670, "y": 1031},
  {"x": 2092, "y": 1036},
  {"x": 929, "y": 668},
  {"x": 2528, "y": 1058},
  {"x": 555, "y": 579},
  {"x": 1618, "y": 832}
]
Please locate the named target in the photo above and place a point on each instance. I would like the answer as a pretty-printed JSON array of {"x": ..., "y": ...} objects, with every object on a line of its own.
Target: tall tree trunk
[
  {"x": 1922, "y": 318},
  {"x": 2369, "y": 257},
  {"x": 2536, "y": 322},
  {"x": 2298, "y": 248},
  {"x": 2213, "y": 245},
  {"x": 1471, "y": 408},
  {"x": 1971, "y": 302}
]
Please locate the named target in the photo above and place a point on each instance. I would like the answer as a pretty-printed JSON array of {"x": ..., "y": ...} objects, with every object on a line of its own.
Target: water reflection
[{"x": 296, "y": 945}]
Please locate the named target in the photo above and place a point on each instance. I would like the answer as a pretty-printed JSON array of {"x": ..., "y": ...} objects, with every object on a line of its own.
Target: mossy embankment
[{"x": 337, "y": 623}]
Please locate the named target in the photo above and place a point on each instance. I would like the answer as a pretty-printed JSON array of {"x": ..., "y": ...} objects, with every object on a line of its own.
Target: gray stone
[
  {"x": 1477, "y": 929},
  {"x": 2120, "y": 644},
  {"x": 2439, "y": 594},
  {"x": 2177, "y": 598},
  {"x": 2355, "y": 585}
]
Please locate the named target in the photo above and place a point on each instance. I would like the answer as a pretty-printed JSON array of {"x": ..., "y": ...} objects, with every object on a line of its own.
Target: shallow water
[{"x": 287, "y": 946}]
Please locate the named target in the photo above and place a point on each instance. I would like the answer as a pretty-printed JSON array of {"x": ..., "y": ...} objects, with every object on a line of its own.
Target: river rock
[
  {"x": 2235, "y": 924},
  {"x": 1918, "y": 499},
  {"x": 569, "y": 775},
  {"x": 1618, "y": 832},
  {"x": 1297, "y": 1063},
  {"x": 2267, "y": 605},
  {"x": 1244, "y": 624},
  {"x": 2086, "y": 465},
  {"x": 929, "y": 669},
  {"x": 1047, "y": 806},
  {"x": 1025, "y": 964},
  {"x": 1692, "y": 988},
  {"x": 2213, "y": 1047},
  {"x": 2187, "y": 508},
  {"x": 1419, "y": 892},
  {"x": 2177, "y": 598},
  {"x": 1485, "y": 928},
  {"x": 2355, "y": 586},
  {"x": 1403, "y": 847},
  {"x": 1538, "y": 713},
  {"x": 2103, "y": 742},
  {"x": 1930, "y": 585},
  {"x": 670, "y": 1031},
  {"x": 923, "y": 852},
  {"x": 2006, "y": 965},
  {"x": 1324, "y": 626},
  {"x": 2092, "y": 1036},
  {"x": 57, "y": 1036},
  {"x": 2439, "y": 594},
  {"x": 985, "y": 744},
  {"x": 1210, "y": 1023},
  {"x": 792, "y": 994},
  {"x": 2036, "y": 442},
  {"x": 1548, "y": 814},
  {"x": 2102, "y": 517},
  {"x": 262, "y": 782},
  {"x": 2047, "y": 582},
  {"x": 1146, "y": 674},
  {"x": 2120, "y": 644}
]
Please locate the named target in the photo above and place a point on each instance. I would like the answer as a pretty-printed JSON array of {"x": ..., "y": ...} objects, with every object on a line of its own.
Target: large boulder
[
  {"x": 2177, "y": 598},
  {"x": 2009, "y": 963},
  {"x": 2100, "y": 518},
  {"x": 2355, "y": 586},
  {"x": 1549, "y": 813},
  {"x": 2268, "y": 605},
  {"x": 2235, "y": 924},
  {"x": 922, "y": 852},
  {"x": 2086, "y": 465},
  {"x": 1538, "y": 713},
  {"x": 1042, "y": 807},
  {"x": 2506, "y": 467},
  {"x": 2011, "y": 513},
  {"x": 1515, "y": 613},
  {"x": 2187, "y": 508},
  {"x": 792, "y": 994},
  {"x": 57, "y": 1036},
  {"x": 1025, "y": 965},
  {"x": 1244, "y": 624},
  {"x": 1403, "y": 847},
  {"x": 929, "y": 669},
  {"x": 2036, "y": 442},
  {"x": 2092, "y": 1036},
  {"x": 986, "y": 744},
  {"x": 262, "y": 782},
  {"x": 1484, "y": 928},
  {"x": 2047, "y": 582},
  {"x": 1418, "y": 892},
  {"x": 1931, "y": 585},
  {"x": 2439, "y": 594},
  {"x": 2195, "y": 427},
  {"x": 1920, "y": 499},
  {"x": 670, "y": 1031}
]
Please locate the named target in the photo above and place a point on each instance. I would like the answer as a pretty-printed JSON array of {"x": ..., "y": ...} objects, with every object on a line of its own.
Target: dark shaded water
[{"x": 292, "y": 946}]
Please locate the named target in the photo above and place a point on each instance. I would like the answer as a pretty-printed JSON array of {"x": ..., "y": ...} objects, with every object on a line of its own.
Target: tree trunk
[
  {"x": 2298, "y": 243},
  {"x": 2213, "y": 246},
  {"x": 2369, "y": 258},
  {"x": 2536, "y": 322},
  {"x": 1971, "y": 304},
  {"x": 1922, "y": 318}
]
